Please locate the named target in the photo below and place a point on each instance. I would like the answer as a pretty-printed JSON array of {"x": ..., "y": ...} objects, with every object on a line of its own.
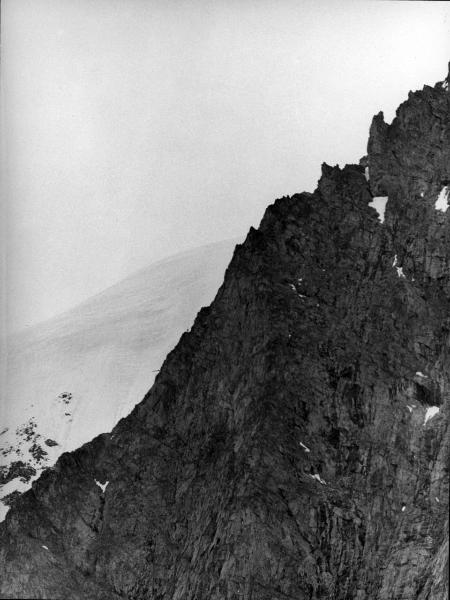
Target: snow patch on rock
[
  {"x": 379, "y": 204},
  {"x": 431, "y": 412},
  {"x": 102, "y": 486},
  {"x": 305, "y": 448},
  {"x": 442, "y": 200},
  {"x": 318, "y": 478},
  {"x": 398, "y": 269}
]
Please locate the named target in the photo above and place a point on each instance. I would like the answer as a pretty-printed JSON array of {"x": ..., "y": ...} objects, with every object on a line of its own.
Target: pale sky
[{"x": 134, "y": 129}]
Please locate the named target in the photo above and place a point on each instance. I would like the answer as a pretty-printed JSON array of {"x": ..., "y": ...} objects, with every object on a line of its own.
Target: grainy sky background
[{"x": 134, "y": 129}]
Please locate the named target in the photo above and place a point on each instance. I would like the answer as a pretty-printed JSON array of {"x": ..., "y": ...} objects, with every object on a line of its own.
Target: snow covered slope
[{"x": 74, "y": 376}]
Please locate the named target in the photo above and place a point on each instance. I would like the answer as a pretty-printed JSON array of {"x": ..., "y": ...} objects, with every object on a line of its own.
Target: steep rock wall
[{"x": 283, "y": 450}]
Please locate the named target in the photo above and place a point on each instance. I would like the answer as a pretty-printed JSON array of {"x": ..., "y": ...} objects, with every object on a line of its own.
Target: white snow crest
[
  {"x": 442, "y": 200},
  {"x": 379, "y": 204},
  {"x": 431, "y": 412}
]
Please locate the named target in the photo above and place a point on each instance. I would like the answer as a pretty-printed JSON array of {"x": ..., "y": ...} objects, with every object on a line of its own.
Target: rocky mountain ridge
[
  {"x": 295, "y": 441},
  {"x": 74, "y": 376}
]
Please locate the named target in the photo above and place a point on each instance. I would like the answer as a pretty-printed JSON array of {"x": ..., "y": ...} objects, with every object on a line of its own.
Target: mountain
[
  {"x": 295, "y": 442},
  {"x": 73, "y": 377}
]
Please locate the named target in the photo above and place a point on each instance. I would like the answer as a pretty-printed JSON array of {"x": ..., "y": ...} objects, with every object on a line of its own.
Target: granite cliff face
[{"x": 295, "y": 442}]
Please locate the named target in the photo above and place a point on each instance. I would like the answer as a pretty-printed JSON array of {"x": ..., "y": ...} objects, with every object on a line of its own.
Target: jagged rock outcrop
[{"x": 295, "y": 442}]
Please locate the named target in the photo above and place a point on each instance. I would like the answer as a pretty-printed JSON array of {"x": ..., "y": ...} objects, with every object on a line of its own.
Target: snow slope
[{"x": 73, "y": 377}]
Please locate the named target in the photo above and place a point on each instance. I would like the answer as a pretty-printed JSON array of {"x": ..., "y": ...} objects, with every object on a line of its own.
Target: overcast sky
[{"x": 134, "y": 129}]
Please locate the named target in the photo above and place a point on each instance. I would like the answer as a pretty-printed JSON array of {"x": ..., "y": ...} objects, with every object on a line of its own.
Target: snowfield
[{"x": 75, "y": 376}]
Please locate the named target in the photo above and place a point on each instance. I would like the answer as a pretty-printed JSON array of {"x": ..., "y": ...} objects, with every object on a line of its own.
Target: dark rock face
[{"x": 283, "y": 450}]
